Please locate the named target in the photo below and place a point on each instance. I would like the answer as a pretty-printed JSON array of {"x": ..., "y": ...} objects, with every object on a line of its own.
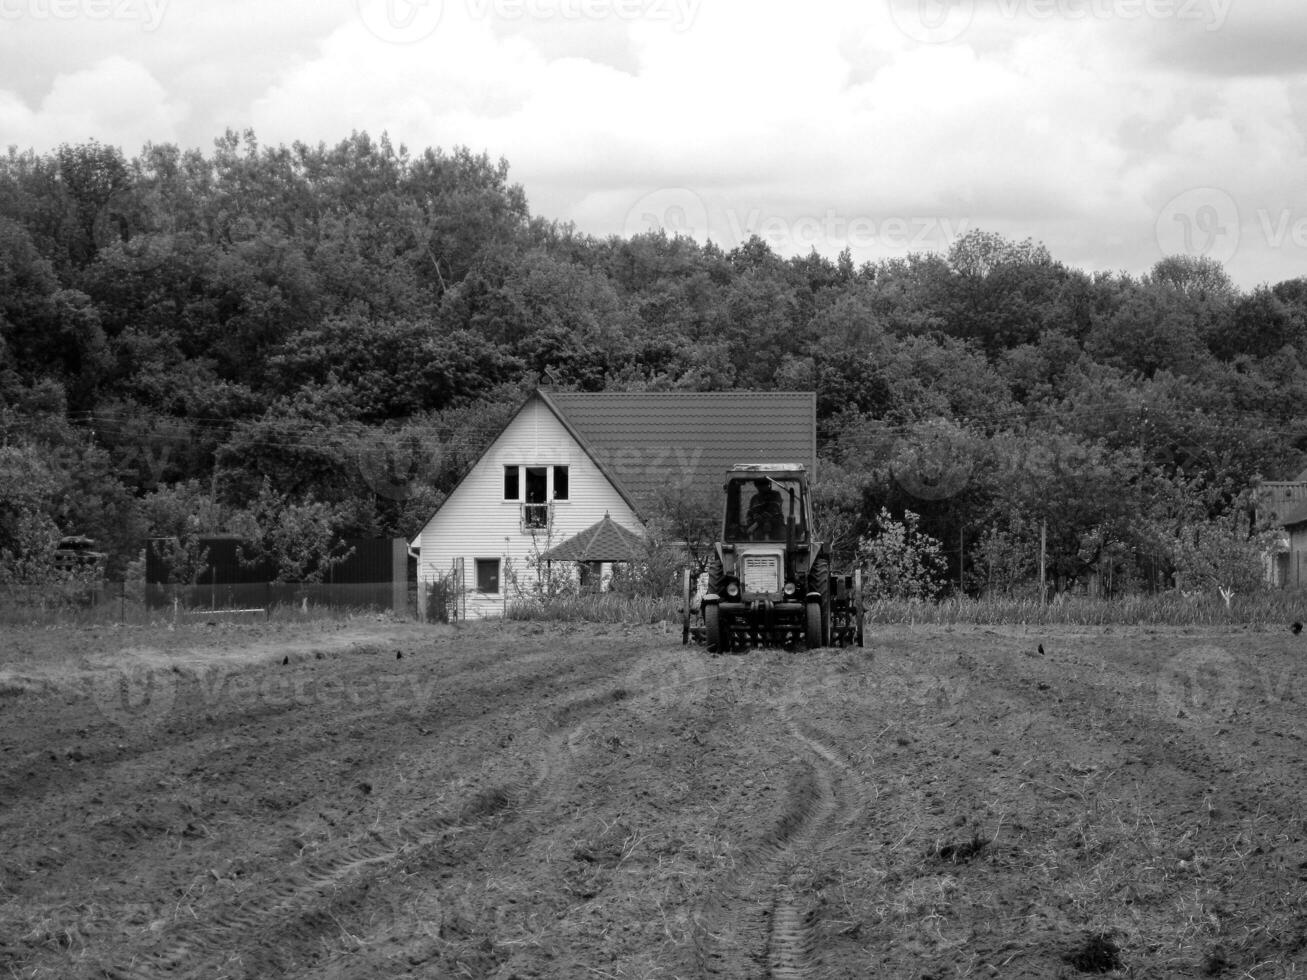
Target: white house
[
  {"x": 1284, "y": 505},
  {"x": 568, "y": 459}
]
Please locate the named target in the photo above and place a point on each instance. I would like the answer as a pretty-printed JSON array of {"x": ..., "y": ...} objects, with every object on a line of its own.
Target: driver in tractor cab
[{"x": 766, "y": 515}]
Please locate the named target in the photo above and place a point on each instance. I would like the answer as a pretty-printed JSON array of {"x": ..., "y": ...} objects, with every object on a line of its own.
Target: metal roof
[
  {"x": 646, "y": 442},
  {"x": 604, "y": 541},
  {"x": 1295, "y": 513}
]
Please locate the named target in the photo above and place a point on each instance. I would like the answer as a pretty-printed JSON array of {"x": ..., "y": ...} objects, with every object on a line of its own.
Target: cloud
[
  {"x": 115, "y": 101},
  {"x": 1076, "y": 122},
  {"x": 1257, "y": 40}
]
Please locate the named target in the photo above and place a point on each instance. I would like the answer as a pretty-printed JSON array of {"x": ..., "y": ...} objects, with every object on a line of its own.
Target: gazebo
[{"x": 599, "y": 544}]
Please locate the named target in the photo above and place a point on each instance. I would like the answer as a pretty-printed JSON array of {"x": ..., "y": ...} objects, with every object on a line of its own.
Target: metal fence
[{"x": 133, "y": 603}]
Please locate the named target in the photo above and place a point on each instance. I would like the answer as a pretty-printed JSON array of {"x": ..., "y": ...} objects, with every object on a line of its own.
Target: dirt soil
[{"x": 379, "y": 799}]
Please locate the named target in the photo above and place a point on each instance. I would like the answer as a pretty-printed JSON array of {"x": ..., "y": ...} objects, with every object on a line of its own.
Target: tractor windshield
[{"x": 764, "y": 508}]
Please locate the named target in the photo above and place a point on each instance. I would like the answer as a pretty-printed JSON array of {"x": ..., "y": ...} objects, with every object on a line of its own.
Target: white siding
[{"x": 475, "y": 522}]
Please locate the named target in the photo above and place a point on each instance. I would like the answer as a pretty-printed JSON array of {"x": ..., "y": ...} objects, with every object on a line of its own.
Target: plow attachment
[{"x": 825, "y": 617}]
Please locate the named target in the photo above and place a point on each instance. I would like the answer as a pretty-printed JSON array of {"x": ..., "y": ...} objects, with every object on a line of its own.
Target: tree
[
  {"x": 298, "y": 540},
  {"x": 29, "y": 493},
  {"x": 900, "y": 561},
  {"x": 1223, "y": 553},
  {"x": 177, "y": 518},
  {"x": 1002, "y": 293}
]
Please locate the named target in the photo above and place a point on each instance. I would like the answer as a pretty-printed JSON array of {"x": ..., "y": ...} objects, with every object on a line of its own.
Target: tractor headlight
[
  {"x": 733, "y": 589},
  {"x": 789, "y": 589}
]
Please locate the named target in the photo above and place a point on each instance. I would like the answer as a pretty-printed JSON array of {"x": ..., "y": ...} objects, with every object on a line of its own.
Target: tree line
[{"x": 325, "y": 336}]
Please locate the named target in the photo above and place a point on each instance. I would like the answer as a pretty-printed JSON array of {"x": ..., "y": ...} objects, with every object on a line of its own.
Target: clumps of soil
[
  {"x": 1216, "y": 963},
  {"x": 1098, "y": 953},
  {"x": 486, "y": 803},
  {"x": 960, "y": 852}
]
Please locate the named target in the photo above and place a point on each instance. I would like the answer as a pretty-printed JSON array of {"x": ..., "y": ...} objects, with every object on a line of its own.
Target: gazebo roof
[{"x": 605, "y": 541}]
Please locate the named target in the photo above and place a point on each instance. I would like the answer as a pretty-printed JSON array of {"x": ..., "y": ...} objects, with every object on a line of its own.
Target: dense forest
[{"x": 316, "y": 341}]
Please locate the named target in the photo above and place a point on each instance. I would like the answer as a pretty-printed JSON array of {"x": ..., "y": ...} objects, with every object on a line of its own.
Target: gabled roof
[
  {"x": 604, "y": 541},
  {"x": 645, "y": 442}
]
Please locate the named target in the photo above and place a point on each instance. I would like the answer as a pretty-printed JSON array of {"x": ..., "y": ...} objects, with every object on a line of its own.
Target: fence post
[{"x": 399, "y": 576}]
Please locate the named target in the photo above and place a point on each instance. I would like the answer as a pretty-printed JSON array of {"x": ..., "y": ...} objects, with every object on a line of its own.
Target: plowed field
[{"x": 374, "y": 799}]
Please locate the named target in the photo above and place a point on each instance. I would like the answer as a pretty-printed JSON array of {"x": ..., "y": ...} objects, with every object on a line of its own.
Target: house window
[
  {"x": 488, "y": 575},
  {"x": 535, "y": 480}
]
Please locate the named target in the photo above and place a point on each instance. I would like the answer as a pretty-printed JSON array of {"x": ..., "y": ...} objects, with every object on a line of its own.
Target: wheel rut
[{"x": 759, "y": 922}]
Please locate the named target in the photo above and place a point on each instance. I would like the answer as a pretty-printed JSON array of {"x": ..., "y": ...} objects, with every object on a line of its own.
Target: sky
[{"x": 1115, "y": 132}]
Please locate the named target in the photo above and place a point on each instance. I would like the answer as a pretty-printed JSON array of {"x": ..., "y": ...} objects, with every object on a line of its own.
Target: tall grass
[
  {"x": 1266, "y": 609},
  {"x": 1274, "y": 609},
  {"x": 599, "y": 608}
]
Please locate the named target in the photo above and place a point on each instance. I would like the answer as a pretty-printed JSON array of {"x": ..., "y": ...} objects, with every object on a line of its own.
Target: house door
[
  {"x": 537, "y": 484},
  {"x": 536, "y": 510}
]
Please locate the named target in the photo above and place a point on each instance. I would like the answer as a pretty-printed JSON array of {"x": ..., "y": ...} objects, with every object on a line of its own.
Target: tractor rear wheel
[
  {"x": 714, "y": 641},
  {"x": 812, "y": 633}
]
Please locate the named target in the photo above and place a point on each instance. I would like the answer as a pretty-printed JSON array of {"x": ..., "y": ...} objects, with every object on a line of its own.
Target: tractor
[{"x": 769, "y": 581}]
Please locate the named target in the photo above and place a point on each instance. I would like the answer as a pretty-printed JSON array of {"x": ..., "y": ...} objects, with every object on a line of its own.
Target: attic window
[
  {"x": 511, "y": 490},
  {"x": 560, "y": 482}
]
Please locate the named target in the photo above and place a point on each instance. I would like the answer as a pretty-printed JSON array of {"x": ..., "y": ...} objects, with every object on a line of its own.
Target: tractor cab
[{"x": 766, "y": 503}]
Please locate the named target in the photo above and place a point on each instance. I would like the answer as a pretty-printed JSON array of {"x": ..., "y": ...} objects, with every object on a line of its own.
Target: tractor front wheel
[
  {"x": 714, "y": 640},
  {"x": 819, "y": 582},
  {"x": 715, "y": 575}
]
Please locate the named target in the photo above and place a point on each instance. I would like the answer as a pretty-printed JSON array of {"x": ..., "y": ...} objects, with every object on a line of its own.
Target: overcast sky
[{"x": 1114, "y": 131}]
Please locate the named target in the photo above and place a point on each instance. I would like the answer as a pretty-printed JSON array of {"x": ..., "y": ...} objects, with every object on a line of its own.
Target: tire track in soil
[
  {"x": 301, "y": 907},
  {"x": 756, "y": 921}
]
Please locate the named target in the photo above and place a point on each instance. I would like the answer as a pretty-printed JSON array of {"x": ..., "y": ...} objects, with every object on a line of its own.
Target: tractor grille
[{"x": 762, "y": 573}]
